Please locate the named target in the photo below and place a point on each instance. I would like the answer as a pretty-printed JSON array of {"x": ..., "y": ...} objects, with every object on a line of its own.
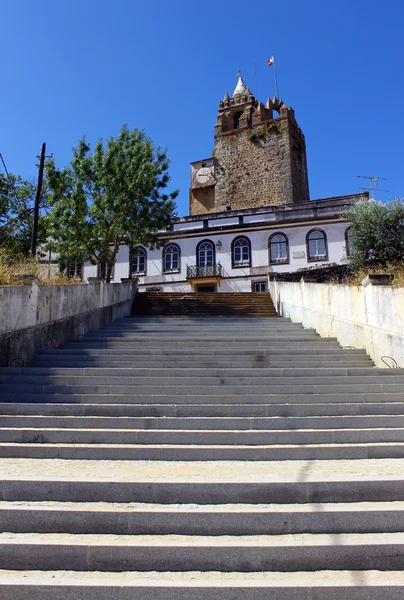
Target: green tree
[
  {"x": 17, "y": 200},
  {"x": 377, "y": 234},
  {"x": 108, "y": 197}
]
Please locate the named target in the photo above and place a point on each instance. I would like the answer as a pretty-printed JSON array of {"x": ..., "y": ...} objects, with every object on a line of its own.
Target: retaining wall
[
  {"x": 38, "y": 316},
  {"x": 370, "y": 317}
]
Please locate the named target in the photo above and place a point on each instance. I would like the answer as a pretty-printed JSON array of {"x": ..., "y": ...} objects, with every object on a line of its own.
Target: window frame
[
  {"x": 237, "y": 265},
  {"x": 283, "y": 261},
  {"x": 166, "y": 247},
  {"x": 259, "y": 282},
  {"x": 198, "y": 247},
  {"x": 322, "y": 258},
  {"x": 137, "y": 273},
  {"x": 348, "y": 246}
]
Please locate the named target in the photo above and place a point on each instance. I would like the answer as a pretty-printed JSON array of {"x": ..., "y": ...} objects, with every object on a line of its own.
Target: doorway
[{"x": 206, "y": 288}]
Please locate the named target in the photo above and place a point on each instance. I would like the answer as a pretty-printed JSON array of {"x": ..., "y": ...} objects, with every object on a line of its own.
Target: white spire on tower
[{"x": 241, "y": 87}]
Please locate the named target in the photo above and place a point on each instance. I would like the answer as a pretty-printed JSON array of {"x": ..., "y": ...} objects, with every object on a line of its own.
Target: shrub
[{"x": 377, "y": 234}]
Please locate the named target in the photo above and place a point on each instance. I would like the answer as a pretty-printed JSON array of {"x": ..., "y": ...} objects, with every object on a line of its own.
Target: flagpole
[
  {"x": 255, "y": 79},
  {"x": 276, "y": 79}
]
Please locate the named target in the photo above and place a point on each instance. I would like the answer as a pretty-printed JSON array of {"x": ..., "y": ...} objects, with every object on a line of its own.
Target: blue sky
[{"x": 87, "y": 66}]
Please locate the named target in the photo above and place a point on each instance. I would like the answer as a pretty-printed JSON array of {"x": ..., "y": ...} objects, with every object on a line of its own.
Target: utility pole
[{"x": 38, "y": 200}]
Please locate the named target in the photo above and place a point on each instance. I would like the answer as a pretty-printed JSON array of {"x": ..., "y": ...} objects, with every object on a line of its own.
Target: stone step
[
  {"x": 157, "y": 325},
  {"x": 208, "y": 360},
  {"x": 241, "y": 402},
  {"x": 207, "y": 374},
  {"x": 199, "y": 437},
  {"x": 199, "y": 337},
  {"x": 200, "y": 331},
  {"x": 38, "y": 447},
  {"x": 200, "y": 411},
  {"x": 209, "y": 329},
  {"x": 218, "y": 348},
  {"x": 193, "y": 519},
  {"x": 209, "y": 301},
  {"x": 195, "y": 319},
  {"x": 301, "y": 351},
  {"x": 176, "y": 423},
  {"x": 213, "y": 394},
  {"x": 205, "y": 377},
  {"x": 219, "y": 310},
  {"x": 263, "y": 585},
  {"x": 136, "y": 388},
  {"x": 163, "y": 363},
  {"x": 286, "y": 553},
  {"x": 220, "y": 482},
  {"x": 237, "y": 445}
]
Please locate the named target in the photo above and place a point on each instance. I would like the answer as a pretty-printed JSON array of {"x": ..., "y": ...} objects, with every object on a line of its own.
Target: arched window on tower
[
  {"x": 236, "y": 120},
  {"x": 138, "y": 261},
  {"x": 171, "y": 259},
  {"x": 278, "y": 249},
  {"x": 316, "y": 241},
  {"x": 241, "y": 252}
]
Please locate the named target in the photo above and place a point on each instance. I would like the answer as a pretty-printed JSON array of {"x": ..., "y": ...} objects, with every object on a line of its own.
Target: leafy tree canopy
[
  {"x": 17, "y": 200},
  {"x": 111, "y": 196},
  {"x": 377, "y": 233}
]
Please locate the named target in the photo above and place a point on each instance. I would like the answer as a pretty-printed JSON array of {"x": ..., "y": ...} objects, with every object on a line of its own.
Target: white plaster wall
[
  {"x": 370, "y": 317},
  {"x": 121, "y": 268},
  {"x": 259, "y": 250}
]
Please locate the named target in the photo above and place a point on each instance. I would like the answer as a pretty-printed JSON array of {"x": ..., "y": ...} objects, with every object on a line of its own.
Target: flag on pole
[{"x": 271, "y": 61}]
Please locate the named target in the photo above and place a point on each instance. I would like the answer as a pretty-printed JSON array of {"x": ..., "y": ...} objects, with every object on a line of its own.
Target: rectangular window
[
  {"x": 241, "y": 255},
  {"x": 138, "y": 264},
  {"x": 259, "y": 286},
  {"x": 206, "y": 257},
  {"x": 171, "y": 261},
  {"x": 317, "y": 248},
  {"x": 278, "y": 251}
]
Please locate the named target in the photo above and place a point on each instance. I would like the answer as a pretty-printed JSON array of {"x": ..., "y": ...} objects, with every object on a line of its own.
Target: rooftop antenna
[{"x": 373, "y": 181}]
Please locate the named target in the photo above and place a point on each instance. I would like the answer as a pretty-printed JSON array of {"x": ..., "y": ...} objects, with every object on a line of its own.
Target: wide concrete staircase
[
  {"x": 198, "y": 458},
  {"x": 249, "y": 304}
]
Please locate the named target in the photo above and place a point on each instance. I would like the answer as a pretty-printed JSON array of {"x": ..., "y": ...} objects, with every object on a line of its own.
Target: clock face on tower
[{"x": 203, "y": 175}]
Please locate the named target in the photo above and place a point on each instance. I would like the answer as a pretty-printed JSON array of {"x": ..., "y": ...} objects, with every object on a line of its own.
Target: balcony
[
  {"x": 198, "y": 272},
  {"x": 204, "y": 277}
]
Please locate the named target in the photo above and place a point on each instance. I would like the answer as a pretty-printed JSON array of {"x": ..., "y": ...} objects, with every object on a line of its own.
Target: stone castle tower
[{"x": 259, "y": 157}]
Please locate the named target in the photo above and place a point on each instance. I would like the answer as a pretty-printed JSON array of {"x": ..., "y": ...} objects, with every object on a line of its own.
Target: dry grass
[
  {"x": 13, "y": 271},
  {"x": 357, "y": 277}
]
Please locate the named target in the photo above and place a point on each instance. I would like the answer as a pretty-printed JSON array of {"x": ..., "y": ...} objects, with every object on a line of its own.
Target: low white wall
[
  {"x": 31, "y": 305},
  {"x": 33, "y": 317},
  {"x": 370, "y": 317}
]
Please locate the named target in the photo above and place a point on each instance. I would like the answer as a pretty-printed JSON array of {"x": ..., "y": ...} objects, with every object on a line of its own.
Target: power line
[{"x": 4, "y": 165}]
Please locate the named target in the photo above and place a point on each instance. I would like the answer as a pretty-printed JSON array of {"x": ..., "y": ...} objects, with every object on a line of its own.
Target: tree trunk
[
  {"x": 103, "y": 269},
  {"x": 109, "y": 272}
]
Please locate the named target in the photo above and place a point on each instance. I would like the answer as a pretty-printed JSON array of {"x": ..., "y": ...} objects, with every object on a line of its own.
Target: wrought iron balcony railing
[{"x": 194, "y": 271}]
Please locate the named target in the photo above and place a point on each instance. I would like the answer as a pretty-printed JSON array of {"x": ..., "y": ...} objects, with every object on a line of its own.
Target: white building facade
[
  {"x": 237, "y": 250},
  {"x": 250, "y": 212}
]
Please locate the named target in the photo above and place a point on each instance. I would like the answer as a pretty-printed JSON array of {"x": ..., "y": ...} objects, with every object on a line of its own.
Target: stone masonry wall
[{"x": 260, "y": 165}]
